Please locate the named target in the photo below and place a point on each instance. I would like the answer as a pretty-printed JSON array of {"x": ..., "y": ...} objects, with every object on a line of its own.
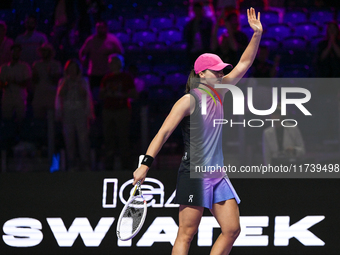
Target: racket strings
[{"x": 132, "y": 217}]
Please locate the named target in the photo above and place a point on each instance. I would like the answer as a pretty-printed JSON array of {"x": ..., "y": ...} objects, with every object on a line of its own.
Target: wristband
[{"x": 147, "y": 160}]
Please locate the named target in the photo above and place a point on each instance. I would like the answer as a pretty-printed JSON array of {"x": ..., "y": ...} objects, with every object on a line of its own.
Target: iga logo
[
  {"x": 151, "y": 187},
  {"x": 153, "y": 192}
]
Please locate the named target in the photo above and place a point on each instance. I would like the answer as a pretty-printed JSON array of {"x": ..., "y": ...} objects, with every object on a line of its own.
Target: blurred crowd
[{"x": 84, "y": 85}]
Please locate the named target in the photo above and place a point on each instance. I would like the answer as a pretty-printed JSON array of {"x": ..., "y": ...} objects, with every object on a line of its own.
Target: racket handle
[{"x": 141, "y": 157}]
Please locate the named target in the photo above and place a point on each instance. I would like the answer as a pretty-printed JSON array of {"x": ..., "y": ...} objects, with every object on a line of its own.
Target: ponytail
[{"x": 192, "y": 81}]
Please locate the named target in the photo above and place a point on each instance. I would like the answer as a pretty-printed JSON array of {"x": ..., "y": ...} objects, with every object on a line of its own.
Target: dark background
[{"x": 74, "y": 195}]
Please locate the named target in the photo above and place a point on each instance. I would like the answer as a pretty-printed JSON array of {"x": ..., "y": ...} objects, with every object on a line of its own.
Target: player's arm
[
  {"x": 183, "y": 107},
  {"x": 250, "y": 52}
]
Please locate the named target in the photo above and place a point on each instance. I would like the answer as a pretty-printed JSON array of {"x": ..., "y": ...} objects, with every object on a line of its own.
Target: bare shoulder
[
  {"x": 187, "y": 103},
  {"x": 183, "y": 102}
]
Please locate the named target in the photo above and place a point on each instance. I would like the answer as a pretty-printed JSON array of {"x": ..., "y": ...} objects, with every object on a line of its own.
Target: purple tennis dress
[{"x": 200, "y": 181}]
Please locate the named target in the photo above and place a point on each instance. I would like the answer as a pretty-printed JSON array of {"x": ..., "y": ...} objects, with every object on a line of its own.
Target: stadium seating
[
  {"x": 269, "y": 17},
  {"x": 151, "y": 79},
  {"x": 278, "y": 31},
  {"x": 144, "y": 37},
  {"x": 307, "y": 30},
  {"x": 271, "y": 43},
  {"x": 294, "y": 17},
  {"x": 321, "y": 17},
  {"x": 114, "y": 25},
  {"x": 136, "y": 24},
  {"x": 170, "y": 36},
  {"x": 181, "y": 22},
  {"x": 294, "y": 43},
  {"x": 123, "y": 37},
  {"x": 161, "y": 23}
]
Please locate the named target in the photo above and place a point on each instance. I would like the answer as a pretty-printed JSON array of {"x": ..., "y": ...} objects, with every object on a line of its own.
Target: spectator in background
[
  {"x": 73, "y": 106},
  {"x": 262, "y": 88},
  {"x": 46, "y": 73},
  {"x": 263, "y": 67},
  {"x": 230, "y": 45},
  {"x": 262, "y": 96},
  {"x": 282, "y": 145},
  {"x": 328, "y": 57},
  {"x": 116, "y": 88},
  {"x": 139, "y": 83},
  {"x": 5, "y": 44},
  {"x": 95, "y": 9},
  {"x": 95, "y": 51},
  {"x": 208, "y": 8},
  {"x": 223, "y": 5},
  {"x": 30, "y": 41},
  {"x": 64, "y": 21},
  {"x": 136, "y": 108},
  {"x": 15, "y": 76},
  {"x": 197, "y": 33}
]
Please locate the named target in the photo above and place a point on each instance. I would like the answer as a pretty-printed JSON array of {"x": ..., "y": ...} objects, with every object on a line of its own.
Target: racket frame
[{"x": 132, "y": 197}]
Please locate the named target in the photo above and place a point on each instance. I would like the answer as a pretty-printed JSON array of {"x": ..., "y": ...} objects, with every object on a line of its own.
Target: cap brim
[{"x": 220, "y": 66}]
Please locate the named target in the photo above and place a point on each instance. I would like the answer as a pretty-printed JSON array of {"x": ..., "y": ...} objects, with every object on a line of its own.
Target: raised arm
[
  {"x": 177, "y": 113},
  {"x": 250, "y": 52}
]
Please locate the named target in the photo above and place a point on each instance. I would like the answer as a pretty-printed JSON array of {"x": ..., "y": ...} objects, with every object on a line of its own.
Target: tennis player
[{"x": 203, "y": 148}]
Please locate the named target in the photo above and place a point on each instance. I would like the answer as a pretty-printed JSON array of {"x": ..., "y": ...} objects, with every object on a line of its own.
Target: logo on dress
[
  {"x": 204, "y": 98},
  {"x": 190, "y": 198}
]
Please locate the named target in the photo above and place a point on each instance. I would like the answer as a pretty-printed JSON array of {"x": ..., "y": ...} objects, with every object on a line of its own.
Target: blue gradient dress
[{"x": 201, "y": 180}]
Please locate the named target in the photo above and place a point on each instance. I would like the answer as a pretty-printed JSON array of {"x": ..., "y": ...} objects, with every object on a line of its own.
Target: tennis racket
[{"x": 132, "y": 217}]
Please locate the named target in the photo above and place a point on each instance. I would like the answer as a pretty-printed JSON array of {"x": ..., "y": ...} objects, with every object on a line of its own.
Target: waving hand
[{"x": 254, "y": 22}]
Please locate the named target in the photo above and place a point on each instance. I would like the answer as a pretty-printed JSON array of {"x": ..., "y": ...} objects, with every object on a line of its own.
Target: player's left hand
[{"x": 254, "y": 22}]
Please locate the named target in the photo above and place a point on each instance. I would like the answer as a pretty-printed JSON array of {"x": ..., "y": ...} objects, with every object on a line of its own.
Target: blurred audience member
[
  {"x": 30, "y": 41},
  {"x": 74, "y": 108},
  {"x": 64, "y": 21},
  {"x": 96, "y": 51},
  {"x": 230, "y": 45},
  {"x": 197, "y": 33},
  {"x": 139, "y": 83},
  {"x": 95, "y": 9},
  {"x": 281, "y": 145},
  {"x": 116, "y": 88},
  {"x": 5, "y": 44},
  {"x": 328, "y": 57},
  {"x": 46, "y": 73},
  {"x": 136, "y": 108},
  {"x": 226, "y": 5},
  {"x": 15, "y": 76},
  {"x": 262, "y": 66},
  {"x": 208, "y": 8}
]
